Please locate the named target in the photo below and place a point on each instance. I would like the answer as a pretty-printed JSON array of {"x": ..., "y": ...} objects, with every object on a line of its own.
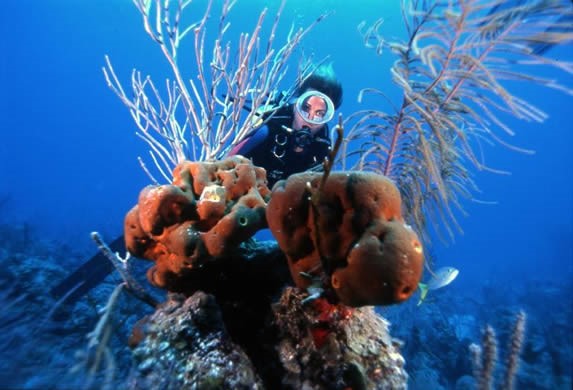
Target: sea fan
[{"x": 451, "y": 70}]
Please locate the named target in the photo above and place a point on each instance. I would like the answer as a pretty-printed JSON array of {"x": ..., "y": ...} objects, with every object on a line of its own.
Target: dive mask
[{"x": 315, "y": 107}]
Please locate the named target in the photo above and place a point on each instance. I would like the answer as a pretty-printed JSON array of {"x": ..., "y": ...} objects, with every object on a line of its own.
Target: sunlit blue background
[{"x": 68, "y": 147}]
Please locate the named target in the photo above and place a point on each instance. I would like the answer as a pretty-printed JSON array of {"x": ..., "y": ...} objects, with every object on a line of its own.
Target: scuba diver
[
  {"x": 291, "y": 138},
  {"x": 295, "y": 137}
]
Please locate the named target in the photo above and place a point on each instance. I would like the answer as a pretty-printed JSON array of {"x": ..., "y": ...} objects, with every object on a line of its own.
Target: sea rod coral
[
  {"x": 457, "y": 69},
  {"x": 355, "y": 234}
]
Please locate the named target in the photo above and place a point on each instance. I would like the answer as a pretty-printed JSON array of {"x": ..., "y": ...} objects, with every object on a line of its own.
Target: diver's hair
[{"x": 323, "y": 80}]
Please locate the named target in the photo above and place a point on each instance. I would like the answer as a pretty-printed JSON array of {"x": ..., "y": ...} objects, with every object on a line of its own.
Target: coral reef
[
  {"x": 40, "y": 339},
  {"x": 354, "y": 349},
  {"x": 354, "y": 233},
  {"x": 344, "y": 231},
  {"x": 185, "y": 344},
  {"x": 210, "y": 208},
  {"x": 40, "y": 334}
]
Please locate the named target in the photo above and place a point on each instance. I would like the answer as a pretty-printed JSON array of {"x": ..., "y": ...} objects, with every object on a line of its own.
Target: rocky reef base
[
  {"x": 248, "y": 327},
  {"x": 186, "y": 344}
]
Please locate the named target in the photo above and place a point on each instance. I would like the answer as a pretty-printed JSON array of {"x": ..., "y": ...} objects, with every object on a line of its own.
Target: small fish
[{"x": 441, "y": 278}]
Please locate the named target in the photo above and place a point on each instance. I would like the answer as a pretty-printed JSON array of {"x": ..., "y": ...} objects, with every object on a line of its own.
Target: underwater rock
[
  {"x": 466, "y": 382},
  {"x": 186, "y": 346},
  {"x": 425, "y": 378},
  {"x": 464, "y": 326},
  {"x": 349, "y": 350},
  {"x": 354, "y": 235}
]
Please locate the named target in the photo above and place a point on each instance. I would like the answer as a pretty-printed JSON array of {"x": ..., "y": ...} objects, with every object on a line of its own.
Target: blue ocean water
[{"x": 68, "y": 164}]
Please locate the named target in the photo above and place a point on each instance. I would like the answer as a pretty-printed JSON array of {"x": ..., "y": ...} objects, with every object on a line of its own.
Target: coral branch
[
  {"x": 484, "y": 361},
  {"x": 451, "y": 69},
  {"x": 199, "y": 118},
  {"x": 122, "y": 266}
]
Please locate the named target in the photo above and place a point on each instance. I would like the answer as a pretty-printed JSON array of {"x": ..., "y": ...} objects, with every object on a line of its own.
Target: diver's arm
[
  {"x": 273, "y": 118},
  {"x": 249, "y": 144}
]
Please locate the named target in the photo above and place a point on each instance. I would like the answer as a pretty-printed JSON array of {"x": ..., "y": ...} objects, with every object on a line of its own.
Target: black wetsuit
[{"x": 273, "y": 147}]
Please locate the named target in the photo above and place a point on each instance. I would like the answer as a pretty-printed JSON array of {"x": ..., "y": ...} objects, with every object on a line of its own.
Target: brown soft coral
[
  {"x": 353, "y": 233},
  {"x": 210, "y": 208}
]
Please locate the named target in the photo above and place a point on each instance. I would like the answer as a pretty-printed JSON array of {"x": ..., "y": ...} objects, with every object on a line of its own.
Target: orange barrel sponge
[
  {"x": 210, "y": 208},
  {"x": 350, "y": 234}
]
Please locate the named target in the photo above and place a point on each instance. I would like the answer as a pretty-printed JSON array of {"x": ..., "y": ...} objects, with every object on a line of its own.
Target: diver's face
[{"x": 314, "y": 109}]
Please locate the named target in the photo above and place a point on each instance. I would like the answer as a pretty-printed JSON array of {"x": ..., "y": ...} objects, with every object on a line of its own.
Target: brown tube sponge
[
  {"x": 351, "y": 235},
  {"x": 210, "y": 208}
]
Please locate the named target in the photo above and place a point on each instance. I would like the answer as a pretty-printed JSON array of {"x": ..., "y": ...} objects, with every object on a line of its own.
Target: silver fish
[{"x": 441, "y": 278}]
